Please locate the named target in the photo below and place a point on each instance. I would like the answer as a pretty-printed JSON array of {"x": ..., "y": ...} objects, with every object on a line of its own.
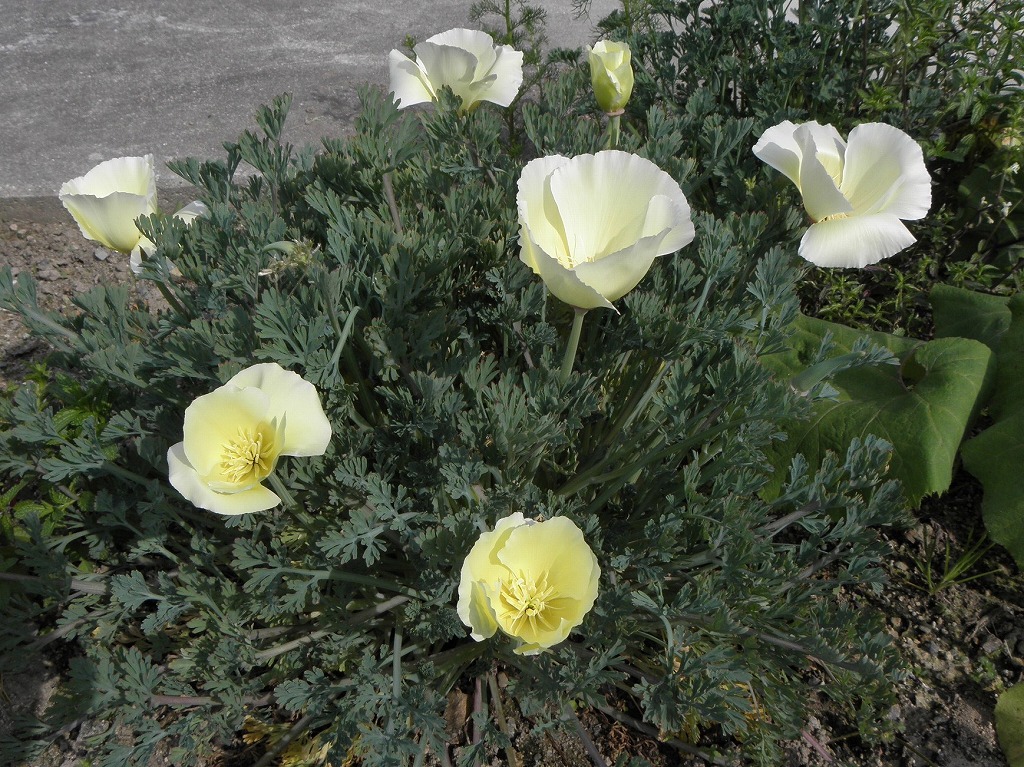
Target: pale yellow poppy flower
[
  {"x": 591, "y": 226},
  {"x": 465, "y": 60},
  {"x": 106, "y": 201},
  {"x": 535, "y": 581},
  {"x": 857, "y": 193},
  {"x": 234, "y": 435}
]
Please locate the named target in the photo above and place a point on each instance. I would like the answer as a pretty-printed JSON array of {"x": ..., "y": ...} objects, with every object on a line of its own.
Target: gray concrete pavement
[{"x": 83, "y": 81}]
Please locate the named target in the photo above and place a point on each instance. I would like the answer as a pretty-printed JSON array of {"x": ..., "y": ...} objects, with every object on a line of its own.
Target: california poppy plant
[{"x": 857, "y": 192}]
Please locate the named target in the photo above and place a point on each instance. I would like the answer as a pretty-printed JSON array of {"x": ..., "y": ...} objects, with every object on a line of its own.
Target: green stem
[
  {"x": 283, "y": 492},
  {"x": 171, "y": 299},
  {"x": 389, "y": 195},
  {"x": 613, "y": 130},
  {"x": 574, "y": 342}
]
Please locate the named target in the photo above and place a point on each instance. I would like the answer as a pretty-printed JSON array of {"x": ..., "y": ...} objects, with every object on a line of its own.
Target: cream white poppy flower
[
  {"x": 466, "y": 60},
  {"x": 234, "y": 435},
  {"x": 533, "y": 580},
  {"x": 106, "y": 201},
  {"x": 855, "y": 191},
  {"x": 611, "y": 74},
  {"x": 591, "y": 226}
]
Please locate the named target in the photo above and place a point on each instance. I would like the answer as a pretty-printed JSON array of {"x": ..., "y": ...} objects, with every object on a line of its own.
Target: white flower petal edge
[
  {"x": 295, "y": 402},
  {"x": 885, "y": 173},
  {"x": 106, "y": 201},
  {"x": 409, "y": 83},
  {"x": 855, "y": 241},
  {"x": 184, "y": 478}
]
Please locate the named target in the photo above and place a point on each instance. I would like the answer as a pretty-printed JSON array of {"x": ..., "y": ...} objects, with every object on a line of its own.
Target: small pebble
[
  {"x": 49, "y": 275},
  {"x": 102, "y": 254}
]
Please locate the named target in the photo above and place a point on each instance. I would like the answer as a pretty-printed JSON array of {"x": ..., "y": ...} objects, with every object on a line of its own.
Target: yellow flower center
[
  {"x": 532, "y": 605},
  {"x": 250, "y": 457},
  {"x": 833, "y": 217}
]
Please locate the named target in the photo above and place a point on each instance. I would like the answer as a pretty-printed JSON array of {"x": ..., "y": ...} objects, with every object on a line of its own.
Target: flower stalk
[{"x": 572, "y": 345}]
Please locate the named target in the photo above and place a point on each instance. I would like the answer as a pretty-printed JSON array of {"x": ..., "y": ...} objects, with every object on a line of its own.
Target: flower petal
[
  {"x": 184, "y": 478},
  {"x": 563, "y": 283},
  {"x": 213, "y": 421},
  {"x": 777, "y": 147},
  {"x": 885, "y": 173},
  {"x": 480, "y": 571},
  {"x": 192, "y": 211},
  {"x": 132, "y": 175},
  {"x": 855, "y": 241},
  {"x": 555, "y": 549},
  {"x": 409, "y": 83},
  {"x": 604, "y": 200},
  {"x": 504, "y": 76},
  {"x": 294, "y": 402},
  {"x": 821, "y": 195},
  {"x": 473, "y": 41},
  {"x": 537, "y": 209},
  {"x": 108, "y": 220},
  {"x": 447, "y": 65}
]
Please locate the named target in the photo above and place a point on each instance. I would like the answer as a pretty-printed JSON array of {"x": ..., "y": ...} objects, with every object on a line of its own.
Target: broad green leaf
[
  {"x": 1008, "y": 397},
  {"x": 960, "y": 313},
  {"x": 922, "y": 406},
  {"x": 995, "y": 457},
  {"x": 1010, "y": 724}
]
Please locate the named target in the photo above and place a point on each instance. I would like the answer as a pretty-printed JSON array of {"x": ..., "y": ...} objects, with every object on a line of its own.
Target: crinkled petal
[
  {"x": 409, "y": 83},
  {"x": 474, "y": 41},
  {"x": 604, "y": 201},
  {"x": 778, "y": 148},
  {"x": 294, "y": 402},
  {"x": 505, "y": 77},
  {"x": 108, "y": 220},
  {"x": 821, "y": 195},
  {"x": 184, "y": 478},
  {"x": 563, "y": 283},
  {"x": 885, "y": 173},
  {"x": 555, "y": 549},
  {"x": 447, "y": 65},
  {"x": 132, "y": 175},
  {"x": 855, "y": 241},
  {"x": 214, "y": 420}
]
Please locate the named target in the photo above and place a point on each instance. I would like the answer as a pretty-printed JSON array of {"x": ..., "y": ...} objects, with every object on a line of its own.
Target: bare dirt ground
[{"x": 962, "y": 645}]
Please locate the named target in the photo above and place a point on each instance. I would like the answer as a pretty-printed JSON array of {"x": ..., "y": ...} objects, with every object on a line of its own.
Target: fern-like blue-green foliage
[{"x": 384, "y": 269}]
